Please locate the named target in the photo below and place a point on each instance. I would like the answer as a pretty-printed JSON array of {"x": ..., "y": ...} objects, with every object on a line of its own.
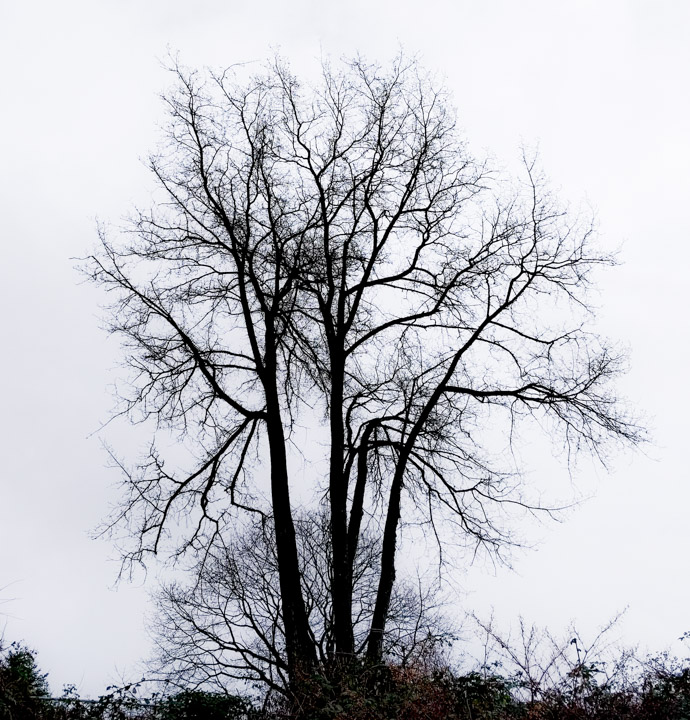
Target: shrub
[{"x": 201, "y": 705}]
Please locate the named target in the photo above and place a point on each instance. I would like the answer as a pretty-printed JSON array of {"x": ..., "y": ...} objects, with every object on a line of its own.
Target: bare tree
[
  {"x": 335, "y": 251},
  {"x": 227, "y": 624}
]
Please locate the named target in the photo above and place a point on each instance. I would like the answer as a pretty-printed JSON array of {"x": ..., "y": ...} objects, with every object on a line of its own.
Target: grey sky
[{"x": 601, "y": 87}]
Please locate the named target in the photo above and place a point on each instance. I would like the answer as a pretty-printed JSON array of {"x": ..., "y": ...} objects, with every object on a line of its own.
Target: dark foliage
[
  {"x": 22, "y": 687},
  {"x": 622, "y": 688},
  {"x": 200, "y": 705}
]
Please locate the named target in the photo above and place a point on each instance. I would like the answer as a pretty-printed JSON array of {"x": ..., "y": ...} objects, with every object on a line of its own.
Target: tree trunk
[
  {"x": 387, "y": 576},
  {"x": 342, "y": 569},
  {"x": 357, "y": 508},
  {"x": 301, "y": 654}
]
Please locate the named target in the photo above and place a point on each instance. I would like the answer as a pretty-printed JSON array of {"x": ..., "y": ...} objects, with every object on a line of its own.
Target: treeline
[{"x": 528, "y": 684}]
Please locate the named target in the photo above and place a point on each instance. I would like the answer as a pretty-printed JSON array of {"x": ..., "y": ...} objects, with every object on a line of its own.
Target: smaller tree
[{"x": 227, "y": 625}]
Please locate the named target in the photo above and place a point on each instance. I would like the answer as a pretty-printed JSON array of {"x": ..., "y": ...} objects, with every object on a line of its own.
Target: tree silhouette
[{"x": 332, "y": 255}]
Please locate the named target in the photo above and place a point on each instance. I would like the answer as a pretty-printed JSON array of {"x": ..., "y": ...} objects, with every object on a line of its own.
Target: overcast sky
[{"x": 602, "y": 87}]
